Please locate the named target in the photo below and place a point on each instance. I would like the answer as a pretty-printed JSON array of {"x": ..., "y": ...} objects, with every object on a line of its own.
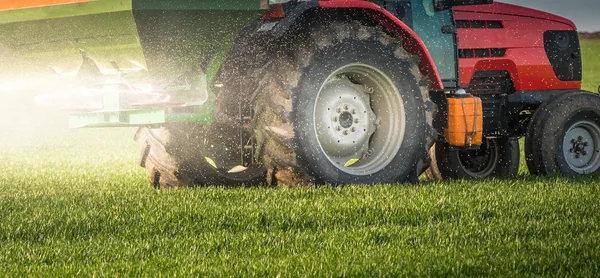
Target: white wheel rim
[
  {"x": 359, "y": 119},
  {"x": 581, "y": 147}
]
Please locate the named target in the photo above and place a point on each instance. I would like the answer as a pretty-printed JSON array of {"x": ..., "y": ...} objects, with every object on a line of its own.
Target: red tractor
[
  {"x": 338, "y": 91},
  {"x": 516, "y": 59}
]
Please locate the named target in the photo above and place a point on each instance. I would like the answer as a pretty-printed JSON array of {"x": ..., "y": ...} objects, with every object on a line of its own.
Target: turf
[
  {"x": 74, "y": 203},
  {"x": 91, "y": 213},
  {"x": 591, "y": 64}
]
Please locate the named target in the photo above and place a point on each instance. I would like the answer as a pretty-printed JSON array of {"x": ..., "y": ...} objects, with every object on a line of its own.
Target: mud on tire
[
  {"x": 175, "y": 156},
  {"x": 296, "y": 126}
]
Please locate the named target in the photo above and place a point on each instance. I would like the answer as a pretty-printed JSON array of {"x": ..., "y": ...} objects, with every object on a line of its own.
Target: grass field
[
  {"x": 591, "y": 64},
  {"x": 74, "y": 203}
]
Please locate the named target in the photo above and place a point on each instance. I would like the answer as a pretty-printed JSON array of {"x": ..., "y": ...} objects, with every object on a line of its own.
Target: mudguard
[{"x": 411, "y": 41}]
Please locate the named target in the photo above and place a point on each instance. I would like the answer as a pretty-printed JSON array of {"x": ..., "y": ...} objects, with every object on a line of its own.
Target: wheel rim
[
  {"x": 581, "y": 146},
  {"x": 480, "y": 163},
  {"x": 359, "y": 119}
]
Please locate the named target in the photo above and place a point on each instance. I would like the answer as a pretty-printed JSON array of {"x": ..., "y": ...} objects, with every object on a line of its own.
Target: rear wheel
[
  {"x": 346, "y": 107},
  {"x": 498, "y": 157},
  {"x": 564, "y": 136}
]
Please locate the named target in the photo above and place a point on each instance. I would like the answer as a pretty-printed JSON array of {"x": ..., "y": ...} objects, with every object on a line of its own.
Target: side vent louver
[
  {"x": 482, "y": 53},
  {"x": 479, "y": 24}
]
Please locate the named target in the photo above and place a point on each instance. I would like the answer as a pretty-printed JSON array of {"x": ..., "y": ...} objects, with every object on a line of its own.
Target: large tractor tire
[
  {"x": 534, "y": 122},
  {"x": 345, "y": 105},
  {"x": 498, "y": 157},
  {"x": 563, "y": 137},
  {"x": 190, "y": 154}
]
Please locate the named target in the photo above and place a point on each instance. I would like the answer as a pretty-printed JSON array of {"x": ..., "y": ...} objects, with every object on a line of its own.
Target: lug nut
[
  {"x": 353, "y": 111},
  {"x": 339, "y": 110},
  {"x": 573, "y": 141},
  {"x": 346, "y": 107},
  {"x": 356, "y": 121},
  {"x": 577, "y": 156},
  {"x": 353, "y": 129},
  {"x": 584, "y": 153},
  {"x": 585, "y": 144},
  {"x": 571, "y": 150},
  {"x": 338, "y": 128},
  {"x": 346, "y": 132},
  {"x": 335, "y": 119},
  {"x": 579, "y": 138}
]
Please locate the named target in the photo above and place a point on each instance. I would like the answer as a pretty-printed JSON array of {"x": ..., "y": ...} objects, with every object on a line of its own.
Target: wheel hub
[
  {"x": 348, "y": 116},
  {"x": 346, "y": 119},
  {"x": 580, "y": 147}
]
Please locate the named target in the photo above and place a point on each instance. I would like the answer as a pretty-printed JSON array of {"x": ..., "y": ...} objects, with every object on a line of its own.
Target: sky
[{"x": 585, "y": 13}]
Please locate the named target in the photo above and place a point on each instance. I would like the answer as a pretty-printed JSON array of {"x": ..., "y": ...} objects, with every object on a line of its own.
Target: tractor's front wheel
[
  {"x": 564, "y": 136},
  {"x": 346, "y": 107}
]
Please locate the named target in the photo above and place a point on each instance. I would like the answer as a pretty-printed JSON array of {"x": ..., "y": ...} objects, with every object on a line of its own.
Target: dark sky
[{"x": 585, "y": 13}]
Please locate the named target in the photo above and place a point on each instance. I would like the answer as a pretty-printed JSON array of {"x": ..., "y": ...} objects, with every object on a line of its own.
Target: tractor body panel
[{"x": 504, "y": 37}]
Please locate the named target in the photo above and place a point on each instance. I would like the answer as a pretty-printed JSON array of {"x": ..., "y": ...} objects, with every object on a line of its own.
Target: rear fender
[{"x": 410, "y": 40}]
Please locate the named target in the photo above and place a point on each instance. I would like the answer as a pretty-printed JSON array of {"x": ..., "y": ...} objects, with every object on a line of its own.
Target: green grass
[
  {"x": 94, "y": 215},
  {"x": 74, "y": 203},
  {"x": 591, "y": 64}
]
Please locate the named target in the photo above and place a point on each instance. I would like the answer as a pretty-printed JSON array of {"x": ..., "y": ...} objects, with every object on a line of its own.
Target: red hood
[{"x": 508, "y": 9}]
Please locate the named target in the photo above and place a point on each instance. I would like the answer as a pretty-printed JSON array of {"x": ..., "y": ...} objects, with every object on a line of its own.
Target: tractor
[{"x": 243, "y": 92}]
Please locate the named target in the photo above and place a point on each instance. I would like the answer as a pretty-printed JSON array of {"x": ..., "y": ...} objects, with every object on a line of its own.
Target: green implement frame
[
  {"x": 167, "y": 39},
  {"x": 149, "y": 117}
]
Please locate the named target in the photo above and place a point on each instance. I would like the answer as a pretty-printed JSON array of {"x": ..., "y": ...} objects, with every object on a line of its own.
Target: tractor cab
[
  {"x": 433, "y": 22},
  {"x": 435, "y": 27}
]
